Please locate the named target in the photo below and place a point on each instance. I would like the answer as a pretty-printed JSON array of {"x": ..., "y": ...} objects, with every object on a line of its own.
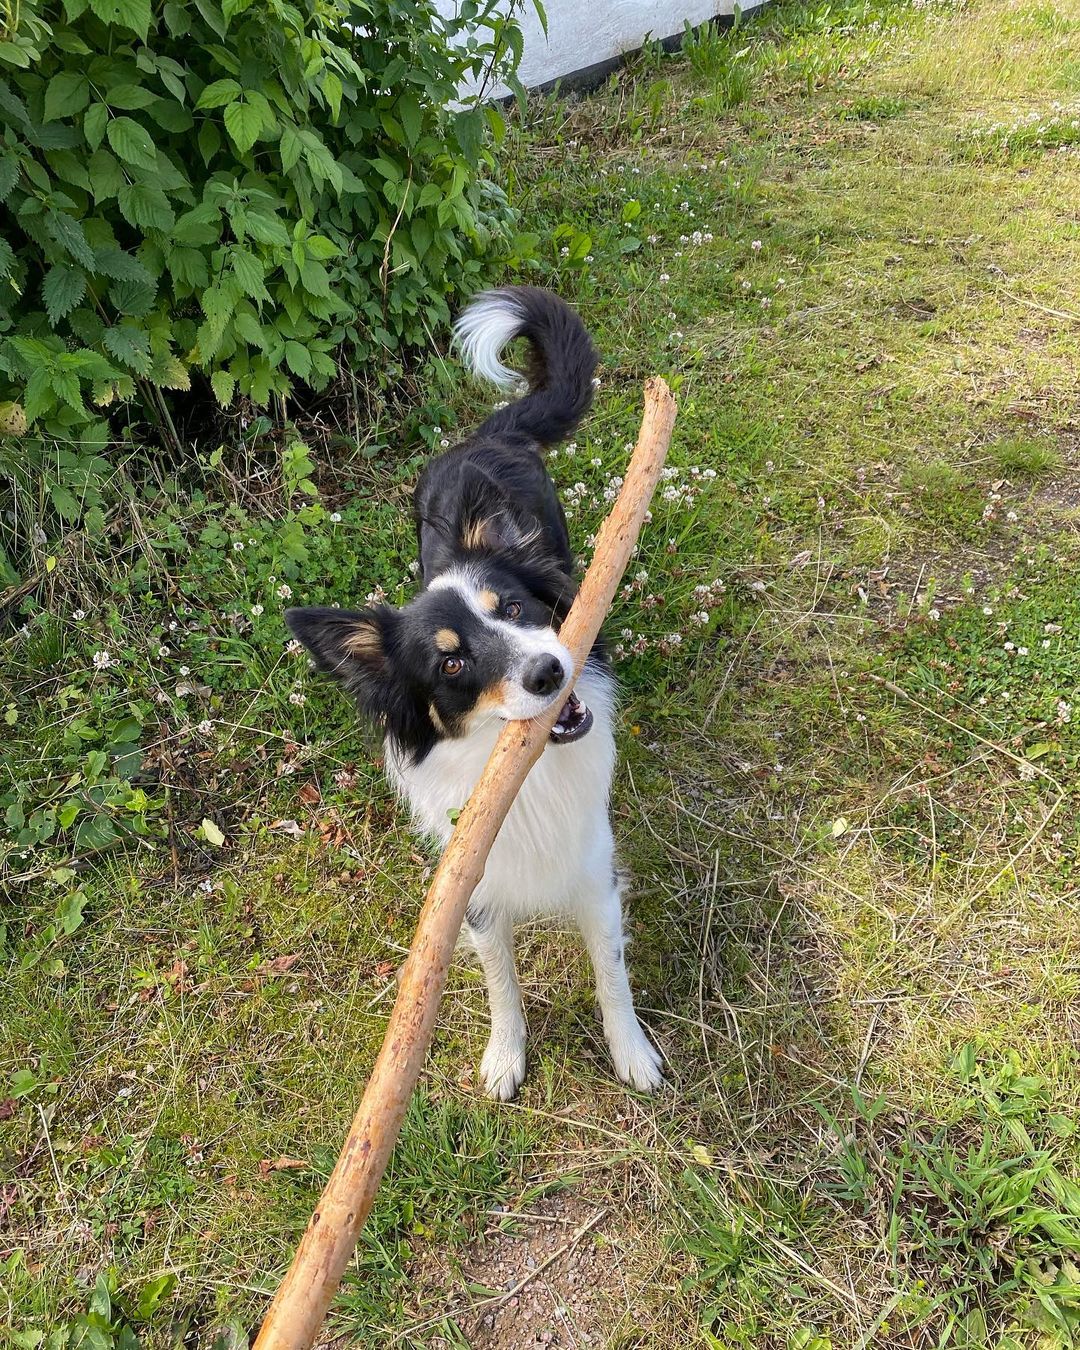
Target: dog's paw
[
  {"x": 503, "y": 1065},
  {"x": 636, "y": 1061}
]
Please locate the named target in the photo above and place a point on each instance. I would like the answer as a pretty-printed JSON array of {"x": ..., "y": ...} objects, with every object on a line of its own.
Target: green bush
[{"x": 239, "y": 190}]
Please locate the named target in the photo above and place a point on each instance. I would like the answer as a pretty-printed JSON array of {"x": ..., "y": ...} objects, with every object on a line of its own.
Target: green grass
[{"x": 849, "y": 756}]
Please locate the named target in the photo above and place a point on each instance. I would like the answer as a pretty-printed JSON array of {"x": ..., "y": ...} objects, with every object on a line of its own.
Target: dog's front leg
[
  {"x": 600, "y": 921},
  {"x": 503, "y": 1064}
]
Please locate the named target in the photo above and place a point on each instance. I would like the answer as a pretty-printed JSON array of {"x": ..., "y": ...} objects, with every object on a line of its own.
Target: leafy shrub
[{"x": 239, "y": 188}]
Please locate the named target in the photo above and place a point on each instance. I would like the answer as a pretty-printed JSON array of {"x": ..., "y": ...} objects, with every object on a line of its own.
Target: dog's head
[{"x": 478, "y": 644}]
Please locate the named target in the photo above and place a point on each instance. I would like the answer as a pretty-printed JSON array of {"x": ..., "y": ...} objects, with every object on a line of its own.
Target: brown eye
[
  {"x": 512, "y": 610},
  {"x": 452, "y": 665}
]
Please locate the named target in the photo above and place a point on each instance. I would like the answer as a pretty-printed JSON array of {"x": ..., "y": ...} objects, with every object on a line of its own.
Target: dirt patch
[{"x": 548, "y": 1278}]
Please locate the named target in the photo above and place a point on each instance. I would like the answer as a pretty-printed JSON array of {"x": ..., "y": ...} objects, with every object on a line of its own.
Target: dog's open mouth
[{"x": 574, "y": 721}]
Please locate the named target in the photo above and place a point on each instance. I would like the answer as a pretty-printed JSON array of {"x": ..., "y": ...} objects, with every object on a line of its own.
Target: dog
[{"x": 479, "y": 646}]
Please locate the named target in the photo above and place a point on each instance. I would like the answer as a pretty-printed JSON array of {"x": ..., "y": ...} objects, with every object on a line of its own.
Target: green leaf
[
  {"x": 14, "y": 55},
  {"x": 130, "y": 345},
  {"x": 67, "y": 507},
  {"x": 153, "y": 1294},
  {"x": 94, "y": 123},
  {"x": 314, "y": 279},
  {"x": 298, "y": 359},
  {"x": 7, "y": 258},
  {"x": 70, "y": 911},
  {"x": 132, "y": 142},
  {"x": 266, "y": 229},
  {"x": 66, "y": 94},
  {"x": 318, "y": 246},
  {"x": 145, "y": 206},
  {"x": 9, "y": 175},
  {"x": 331, "y": 87},
  {"x": 64, "y": 286},
  {"x": 106, "y": 175},
  {"x": 22, "y": 1082},
  {"x": 250, "y": 273},
  {"x": 133, "y": 14},
  {"x": 69, "y": 234},
  {"x": 212, "y": 833},
  {"x": 121, "y": 266},
  {"x": 188, "y": 266},
  {"x": 209, "y": 141},
  {"x": 200, "y": 225},
  {"x": 411, "y": 118},
  {"x": 290, "y": 148},
  {"x": 243, "y": 122},
  {"x": 219, "y": 93},
  {"x": 129, "y": 97},
  {"x": 224, "y": 386}
]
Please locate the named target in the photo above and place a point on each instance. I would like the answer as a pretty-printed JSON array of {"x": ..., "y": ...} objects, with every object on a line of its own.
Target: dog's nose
[{"x": 543, "y": 675}]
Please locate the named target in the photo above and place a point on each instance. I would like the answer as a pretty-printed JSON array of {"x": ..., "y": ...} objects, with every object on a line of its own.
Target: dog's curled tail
[{"x": 559, "y": 378}]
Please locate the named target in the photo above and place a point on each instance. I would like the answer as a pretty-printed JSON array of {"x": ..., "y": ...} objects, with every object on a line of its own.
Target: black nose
[{"x": 543, "y": 675}]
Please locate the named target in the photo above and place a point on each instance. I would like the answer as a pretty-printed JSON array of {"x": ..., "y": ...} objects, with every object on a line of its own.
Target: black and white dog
[{"x": 479, "y": 646}]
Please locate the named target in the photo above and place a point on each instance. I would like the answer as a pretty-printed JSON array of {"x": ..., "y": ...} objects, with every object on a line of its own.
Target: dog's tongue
[{"x": 573, "y": 722}]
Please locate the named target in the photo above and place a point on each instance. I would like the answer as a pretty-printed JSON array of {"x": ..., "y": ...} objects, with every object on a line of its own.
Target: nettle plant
[{"x": 241, "y": 189}]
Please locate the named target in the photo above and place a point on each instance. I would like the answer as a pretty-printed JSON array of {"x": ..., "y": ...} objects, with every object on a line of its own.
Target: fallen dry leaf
[
  {"x": 280, "y": 964},
  {"x": 282, "y": 1164},
  {"x": 291, "y": 827},
  {"x": 310, "y": 794}
]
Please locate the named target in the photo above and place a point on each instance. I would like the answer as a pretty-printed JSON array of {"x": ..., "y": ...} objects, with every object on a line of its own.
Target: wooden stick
[{"x": 298, "y": 1309}]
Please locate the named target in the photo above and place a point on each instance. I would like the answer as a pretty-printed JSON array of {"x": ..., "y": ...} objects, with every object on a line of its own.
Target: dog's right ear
[{"x": 351, "y": 645}]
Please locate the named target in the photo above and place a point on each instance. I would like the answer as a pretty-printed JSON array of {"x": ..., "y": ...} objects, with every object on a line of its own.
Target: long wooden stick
[{"x": 298, "y": 1309}]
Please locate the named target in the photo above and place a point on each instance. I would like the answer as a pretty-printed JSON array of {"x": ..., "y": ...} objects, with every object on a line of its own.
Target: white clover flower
[
  {"x": 335, "y": 517},
  {"x": 596, "y": 462},
  {"x": 206, "y": 886},
  {"x": 756, "y": 245},
  {"x": 205, "y": 727},
  {"x": 256, "y": 610},
  {"x": 293, "y": 647},
  {"x": 238, "y": 546},
  {"x": 935, "y": 614},
  {"x": 987, "y": 610},
  {"x": 163, "y": 651},
  {"x": 185, "y": 670},
  {"x": 1021, "y": 651},
  {"x": 664, "y": 278},
  {"x": 284, "y": 591},
  {"x": 298, "y": 699},
  {"x": 78, "y": 615},
  {"x": 102, "y": 660},
  {"x": 745, "y": 285}
]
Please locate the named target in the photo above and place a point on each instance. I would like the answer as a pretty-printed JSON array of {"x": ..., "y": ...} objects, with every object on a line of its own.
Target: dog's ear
[{"x": 351, "y": 645}]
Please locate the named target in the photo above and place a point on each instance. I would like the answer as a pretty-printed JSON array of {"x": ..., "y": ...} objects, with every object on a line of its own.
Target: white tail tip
[{"x": 484, "y": 327}]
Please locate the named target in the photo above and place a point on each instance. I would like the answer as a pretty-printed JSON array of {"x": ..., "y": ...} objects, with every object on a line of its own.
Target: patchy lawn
[{"x": 849, "y": 235}]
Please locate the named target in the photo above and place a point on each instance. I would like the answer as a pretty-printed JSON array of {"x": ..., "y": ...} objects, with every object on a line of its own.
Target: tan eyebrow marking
[
  {"x": 489, "y": 600},
  {"x": 447, "y": 640}
]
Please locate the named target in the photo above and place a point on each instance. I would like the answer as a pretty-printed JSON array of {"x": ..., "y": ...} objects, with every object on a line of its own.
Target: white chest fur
[{"x": 556, "y": 843}]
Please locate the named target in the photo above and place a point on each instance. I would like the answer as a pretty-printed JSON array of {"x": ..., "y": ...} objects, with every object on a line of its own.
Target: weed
[{"x": 1025, "y": 457}]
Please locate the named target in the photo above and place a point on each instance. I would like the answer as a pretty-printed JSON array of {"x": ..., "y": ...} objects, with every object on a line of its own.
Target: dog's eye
[
  {"x": 512, "y": 610},
  {"x": 452, "y": 665}
]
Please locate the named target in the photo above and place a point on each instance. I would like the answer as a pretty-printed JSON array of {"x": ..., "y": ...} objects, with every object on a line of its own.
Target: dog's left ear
[{"x": 351, "y": 645}]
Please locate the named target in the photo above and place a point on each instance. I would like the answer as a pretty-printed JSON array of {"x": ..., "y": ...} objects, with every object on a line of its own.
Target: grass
[{"x": 847, "y": 791}]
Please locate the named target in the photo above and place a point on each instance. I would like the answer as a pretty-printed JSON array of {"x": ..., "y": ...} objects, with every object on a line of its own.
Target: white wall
[{"x": 586, "y": 33}]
